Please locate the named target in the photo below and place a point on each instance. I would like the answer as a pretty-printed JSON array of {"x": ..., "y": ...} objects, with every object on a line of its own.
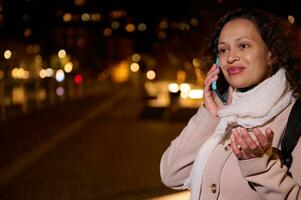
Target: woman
[{"x": 230, "y": 151}]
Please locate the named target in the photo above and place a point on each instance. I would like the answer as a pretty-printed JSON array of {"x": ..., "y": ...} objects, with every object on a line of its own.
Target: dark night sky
[
  {"x": 20, "y": 14},
  {"x": 145, "y": 9}
]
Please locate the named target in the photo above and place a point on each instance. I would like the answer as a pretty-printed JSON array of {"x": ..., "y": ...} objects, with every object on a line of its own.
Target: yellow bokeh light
[
  {"x": 115, "y": 25},
  {"x": 134, "y": 67},
  {"x": 196, "y": 62},
  {"x": 7, "y": 54},
  {"x": 291, "y": 19},
  {"x": 136, "y": 57},
  {"x": 130, "y": 28},
  {"x": 120, "y": 72},
  {"x": 68, "y": 67},
  {"x": 151, "y": 75},
  {"x": 85, "y": 17},
  {"x": 142, "y": 27},
  {"x": 62, "y": 53},
  {"x": 67, "y": 17}
]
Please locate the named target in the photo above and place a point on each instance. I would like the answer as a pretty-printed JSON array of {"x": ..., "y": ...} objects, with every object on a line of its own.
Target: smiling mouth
[{"x": 235, "y": 70}]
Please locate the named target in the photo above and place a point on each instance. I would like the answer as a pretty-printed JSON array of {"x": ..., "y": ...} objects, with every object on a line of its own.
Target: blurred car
[{"x": 168, "y": 94}]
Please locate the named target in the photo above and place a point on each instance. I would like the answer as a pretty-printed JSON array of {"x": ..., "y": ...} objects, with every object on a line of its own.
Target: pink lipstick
[{"x": 235, "y": 70}]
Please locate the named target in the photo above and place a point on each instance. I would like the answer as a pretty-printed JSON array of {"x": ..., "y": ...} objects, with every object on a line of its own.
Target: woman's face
[{"x": 244, "y": 57}]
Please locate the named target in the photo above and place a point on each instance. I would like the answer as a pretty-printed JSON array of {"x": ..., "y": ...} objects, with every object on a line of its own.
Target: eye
[
  {"x": 222, "y": 50},
  {"x": 243, "y": 45}
]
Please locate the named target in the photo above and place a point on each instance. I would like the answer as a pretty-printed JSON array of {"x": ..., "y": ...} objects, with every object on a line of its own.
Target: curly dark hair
[{"x": 279, "y": 36}]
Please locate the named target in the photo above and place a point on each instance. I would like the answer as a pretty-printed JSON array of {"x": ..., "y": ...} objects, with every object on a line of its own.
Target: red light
[{"x": 78, "y": 79}]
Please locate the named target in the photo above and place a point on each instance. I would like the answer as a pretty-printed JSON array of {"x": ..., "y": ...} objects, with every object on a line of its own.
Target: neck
[{"x": 246, "y": 88}]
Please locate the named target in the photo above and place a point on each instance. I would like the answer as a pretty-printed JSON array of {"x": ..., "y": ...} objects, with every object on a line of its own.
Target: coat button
[
  {"x": 228, "y": 147},
  {"x": 213, "y": 188}
]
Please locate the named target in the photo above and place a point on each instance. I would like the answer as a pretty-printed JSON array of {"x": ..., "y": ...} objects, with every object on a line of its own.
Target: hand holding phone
[
  {"x": 213, "y": 85},
  {"x": 221, "y": 85}
]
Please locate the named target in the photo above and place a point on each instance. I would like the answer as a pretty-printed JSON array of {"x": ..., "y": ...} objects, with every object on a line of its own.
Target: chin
[{"x": 238, "y": 85}]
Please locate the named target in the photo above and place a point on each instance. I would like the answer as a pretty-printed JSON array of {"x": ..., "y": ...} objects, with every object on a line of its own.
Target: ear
[{"x": 270, "y": 58}]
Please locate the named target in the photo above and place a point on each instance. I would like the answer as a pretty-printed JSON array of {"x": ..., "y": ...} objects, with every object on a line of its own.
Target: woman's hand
[
  {"x": 244, "y": 147},
  {"x": 209, "y": 101}
]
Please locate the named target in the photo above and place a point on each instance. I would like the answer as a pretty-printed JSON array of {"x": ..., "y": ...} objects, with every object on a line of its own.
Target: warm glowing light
[
  {"x": 33, "y": 49},
  {"x": 130, "y": 28},
  {"x": 181, "y": 76},
  {"x": 60, "y": 75},
  {"x": 120, "y": 72},
  {"x": 42, "y": 94},
  {"x": 151, "y": 75},
  {"x": 163, "y": 24},
  {"x": 67, "y": 17},
  {"x": 194, "y": 22},
  {"x": 107, "y": 32},
  {"x": 49, "y": 72},
  {"x": 18, "y": 95},
  {"x": 62, "y": 53},
  {"x": 27, "y": 32},
  {"x": 196, "y": 62},
  {"x": 142, "y": 27},
  {"x": 115, "y": 25},
  {"x": 136, "y": 57},
  {"x": 68, "y": 67},
  {"x": 42, "y": 73},
  {"x": 96, "y": 17},
  {"x": 134, "y": 67},
  {"x": 85, "y": 17},
  {"x": 173, "y": 87},
  {"x": 117, "y": 14},
  {"x": 185, "y": 87},
  {"x": 79, "y": 2},
  {"x": 38, "y": 59},
  {"x": 7, "y": 54},
  {"x": 19, "y": 73},
  {"x": 196, "y": 94},
  {"x": 183, "y": 26},
  {"x": 291, "y": 19}
]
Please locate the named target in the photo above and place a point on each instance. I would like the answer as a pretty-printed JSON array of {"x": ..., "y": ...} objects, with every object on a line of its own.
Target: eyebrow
[{"x": 238, "y": 39}]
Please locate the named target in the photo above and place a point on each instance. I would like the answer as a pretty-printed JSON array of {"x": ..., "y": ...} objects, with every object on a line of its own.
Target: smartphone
[{"x": 220, "y": 86}]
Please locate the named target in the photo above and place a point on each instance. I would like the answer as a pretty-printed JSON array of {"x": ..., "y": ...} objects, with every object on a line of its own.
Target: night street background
[{"x": 93, "y": 91}]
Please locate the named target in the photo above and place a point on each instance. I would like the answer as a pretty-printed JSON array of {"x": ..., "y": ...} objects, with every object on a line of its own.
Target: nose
[{"x": 233, "y": 56}]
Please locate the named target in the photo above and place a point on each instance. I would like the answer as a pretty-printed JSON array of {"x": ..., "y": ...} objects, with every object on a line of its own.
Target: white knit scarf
[{"x": 249, "y": 109}]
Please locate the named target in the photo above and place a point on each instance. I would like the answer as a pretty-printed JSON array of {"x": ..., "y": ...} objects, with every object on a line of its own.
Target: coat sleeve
[
  {"x": 270, "y": 178},
  {"x": 177, "y": 160}
]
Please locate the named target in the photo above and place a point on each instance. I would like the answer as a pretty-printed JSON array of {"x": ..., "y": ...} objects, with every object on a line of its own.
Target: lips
[{"x": 235, "y": 70}]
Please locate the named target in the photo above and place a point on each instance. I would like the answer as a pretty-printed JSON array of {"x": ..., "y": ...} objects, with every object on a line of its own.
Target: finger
[
  {"x": 234, "y": 146},
  {"x": 270, "y": 134},
  {"x": 249, "y": 140},
  {"x": 208, "y": 83},
  {"x": 262, "y": 139},
  {"x": 243, "y": 144},
  {"x": 212, "y": 72}
]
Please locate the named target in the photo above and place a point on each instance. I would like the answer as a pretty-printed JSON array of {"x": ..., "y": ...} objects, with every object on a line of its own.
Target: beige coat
[{"x": 225, "y": 177}]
